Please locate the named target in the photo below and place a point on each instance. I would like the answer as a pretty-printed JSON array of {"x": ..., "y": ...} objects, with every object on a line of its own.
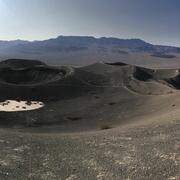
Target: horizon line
[{"x": 96, "y": 37}]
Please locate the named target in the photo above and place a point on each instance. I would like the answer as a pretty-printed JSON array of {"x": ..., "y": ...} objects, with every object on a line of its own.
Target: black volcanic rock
[
  {"x": 21, "y": 63},
  {"x": 31, "y": 79}
]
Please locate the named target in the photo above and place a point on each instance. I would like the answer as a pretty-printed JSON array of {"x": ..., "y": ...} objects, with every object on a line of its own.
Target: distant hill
[
  {"x": 11, "y": 44},
  {"x": 73, "y": 49}
]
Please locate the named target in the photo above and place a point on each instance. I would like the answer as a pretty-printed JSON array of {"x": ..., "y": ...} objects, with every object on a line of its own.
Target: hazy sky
[{"x": 156, "y": 21}]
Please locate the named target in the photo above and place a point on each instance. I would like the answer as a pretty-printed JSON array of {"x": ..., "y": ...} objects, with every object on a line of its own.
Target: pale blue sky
[{"x": 156, "y": 21}]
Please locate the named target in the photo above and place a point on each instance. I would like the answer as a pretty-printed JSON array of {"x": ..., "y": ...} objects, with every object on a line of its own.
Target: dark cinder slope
[
  {"x": 86, "y": 98},
  {"x": 27, "y": 79}
]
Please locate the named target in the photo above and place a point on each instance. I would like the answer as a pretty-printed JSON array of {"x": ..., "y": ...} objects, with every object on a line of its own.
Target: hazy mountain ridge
[
  {"x": 85, "y": 50},
  {"x": 9, "y": 44},
  {"x": 78, "y": 43}
]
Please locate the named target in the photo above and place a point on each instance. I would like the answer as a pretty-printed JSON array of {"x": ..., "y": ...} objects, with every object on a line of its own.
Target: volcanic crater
[{"x": 84, "y": 98}]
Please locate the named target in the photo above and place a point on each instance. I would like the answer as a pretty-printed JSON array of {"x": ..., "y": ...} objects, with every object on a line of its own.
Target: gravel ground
[{"x": 141, "y": 152}]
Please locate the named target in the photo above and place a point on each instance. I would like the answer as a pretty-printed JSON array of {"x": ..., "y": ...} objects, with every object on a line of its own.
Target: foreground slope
[{"x": 146, "y": 151}]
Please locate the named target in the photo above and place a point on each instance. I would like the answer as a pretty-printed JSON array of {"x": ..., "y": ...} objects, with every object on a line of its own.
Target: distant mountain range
[
  {"x": 76, "y": 43},
  {"x": 63, "y": 46}
]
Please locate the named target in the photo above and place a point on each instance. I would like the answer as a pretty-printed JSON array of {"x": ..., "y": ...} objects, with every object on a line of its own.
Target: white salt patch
[{"x": 12, "y": 105}]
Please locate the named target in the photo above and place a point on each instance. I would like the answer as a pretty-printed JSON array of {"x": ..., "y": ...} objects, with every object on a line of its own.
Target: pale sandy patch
[{"x": 13, "y": 105}]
